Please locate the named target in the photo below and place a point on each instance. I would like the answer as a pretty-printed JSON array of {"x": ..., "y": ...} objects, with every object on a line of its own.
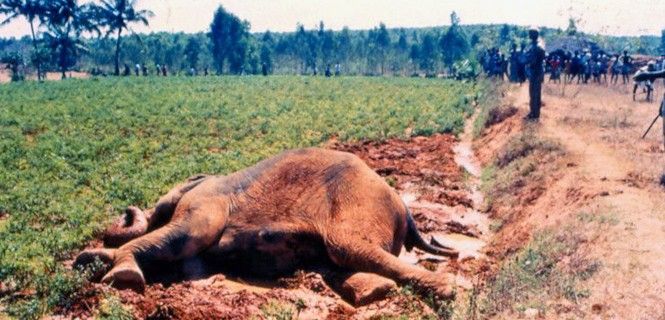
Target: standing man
[
  {"x": 627, "y": 66},
  {"x": 535, "y": 56}
]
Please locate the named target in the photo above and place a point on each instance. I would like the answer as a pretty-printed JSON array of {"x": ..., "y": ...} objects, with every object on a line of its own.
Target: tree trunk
[
  {"x": 63, "y": 63},
  {"x": 38, "y": 57},
  {"x": 117, "y": 53}
]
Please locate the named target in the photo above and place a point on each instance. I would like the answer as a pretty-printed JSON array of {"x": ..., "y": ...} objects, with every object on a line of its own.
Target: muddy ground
[{"x": 436, "y": 189}]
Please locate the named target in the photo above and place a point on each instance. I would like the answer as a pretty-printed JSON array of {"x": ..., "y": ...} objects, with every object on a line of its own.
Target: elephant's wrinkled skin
[{"x": 271, "y": 218}]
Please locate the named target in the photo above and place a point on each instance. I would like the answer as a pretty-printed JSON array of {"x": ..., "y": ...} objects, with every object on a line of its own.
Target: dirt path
[{"x": 600, "y": 128}]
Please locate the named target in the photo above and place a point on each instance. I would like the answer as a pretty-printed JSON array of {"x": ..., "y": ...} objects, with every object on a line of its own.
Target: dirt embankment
[
  {"x": 424, "y": 172},
  {"x": 583, "y": 179}
]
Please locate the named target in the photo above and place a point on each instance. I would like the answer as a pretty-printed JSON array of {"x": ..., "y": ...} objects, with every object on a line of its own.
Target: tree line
[
  {"x": 97, "y": 38},
  {"x": 65, "y": 21}
]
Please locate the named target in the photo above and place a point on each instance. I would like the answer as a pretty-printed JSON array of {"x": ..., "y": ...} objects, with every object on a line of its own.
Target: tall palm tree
[
  {"x": 31, "y": 10},
  {"x": 116, "y": 15},
  {"x": 66, "y": 21}
]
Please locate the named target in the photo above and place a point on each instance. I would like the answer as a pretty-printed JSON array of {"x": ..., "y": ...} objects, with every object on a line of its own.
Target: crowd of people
[
  {"x": 142, "y": 70},
  {"x": 579, "y": 67}
]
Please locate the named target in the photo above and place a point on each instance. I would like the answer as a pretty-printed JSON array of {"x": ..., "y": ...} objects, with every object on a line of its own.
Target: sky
[{"x": 613, "y": 17}]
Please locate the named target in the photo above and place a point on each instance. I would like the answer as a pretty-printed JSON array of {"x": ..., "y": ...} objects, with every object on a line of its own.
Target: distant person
[
  {"x": 144, "y": 69},
  {"x": 137, "y": 69},
  {"x": 662, "y": 67},
  {"x": 338, "y": 70},
  {"x": 205, "y": 71},
  {"x": 164, "y": 72},
  {"x": 615, "y": 70},
  {"x": 514, "y": 63},
  {"x": 627, "y": 62},
  {"x": 535, "y": 56},
  {"x": 555, "y": 69},
  {"x": 158, "y": 69},
  {"x": 604, "y": 65},
  {"x": 192, "y": 71},
  {"x": 127, "y": 71},
  {"x": 328, "y": 72},
  {"x": 575, "y": 67},
  {"x": 521, "y": 64}
]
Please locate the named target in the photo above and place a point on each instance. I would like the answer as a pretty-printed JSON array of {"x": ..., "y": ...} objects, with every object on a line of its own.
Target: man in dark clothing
[
  {"x": 627, "y": 66},
  {"x": 535, "y": 56},
  {"x": 521, "y": 64}
]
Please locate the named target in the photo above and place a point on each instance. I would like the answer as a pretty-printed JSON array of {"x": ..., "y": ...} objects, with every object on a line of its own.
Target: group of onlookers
[{"x": 579, "y": 67}]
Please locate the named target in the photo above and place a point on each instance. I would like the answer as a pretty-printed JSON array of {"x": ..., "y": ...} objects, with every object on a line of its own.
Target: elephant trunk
[{"x": 131, "y": 225}]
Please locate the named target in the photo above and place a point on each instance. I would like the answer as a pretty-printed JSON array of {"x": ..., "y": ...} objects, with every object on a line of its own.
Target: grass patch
[
  {"x": 112, "y": 309},
  {"x": 492, "y": 109},
  {"x": 523, "y": 145},
  {"x": 74, "y": 153},
  {"x": 275, "y": 310},
  {"x": 517, "y": 166},
  {"x": 609, "y": 218},
  {"x": 534, "y": 277},
  {"x": 412, "y": 306}
]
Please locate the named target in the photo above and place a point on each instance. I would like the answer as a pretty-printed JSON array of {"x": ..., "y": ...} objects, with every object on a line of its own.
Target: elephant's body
[{"x": 295, "y": 208}]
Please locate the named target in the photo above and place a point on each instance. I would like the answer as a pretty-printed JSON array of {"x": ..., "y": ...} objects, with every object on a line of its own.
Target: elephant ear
[{"x": 131, "y": 225}]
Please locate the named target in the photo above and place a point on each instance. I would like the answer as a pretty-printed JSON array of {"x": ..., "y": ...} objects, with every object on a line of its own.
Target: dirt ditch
[{"x": 436, "y": 176}]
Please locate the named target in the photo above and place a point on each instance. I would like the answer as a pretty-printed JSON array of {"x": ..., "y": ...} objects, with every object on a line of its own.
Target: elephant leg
[
  {"x": 163, "y": 211},
  {"x": 358, "y": 254},
  {"x": 359, "y": 288},
  {"x": 195, "y": 227}
]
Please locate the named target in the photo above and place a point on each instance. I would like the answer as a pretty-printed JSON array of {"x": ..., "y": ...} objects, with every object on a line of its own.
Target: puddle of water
[
  {"x": 464, "y": 157},
  {"x": 468, "y": 247}
]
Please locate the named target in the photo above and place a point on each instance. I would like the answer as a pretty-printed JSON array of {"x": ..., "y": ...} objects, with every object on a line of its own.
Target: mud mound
[{"x": 420, "y": 161}]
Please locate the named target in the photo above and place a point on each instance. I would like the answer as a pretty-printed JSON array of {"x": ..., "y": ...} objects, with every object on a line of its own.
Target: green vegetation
[
  {"x": 275, "y": 310},
  {"x": 534, "y": 277},
  {"x": 489, "y": 102},
  {"x": 74, "y": 153},
  {"x": 517, "y": 167},
  {"x": 111, "y": 308}
]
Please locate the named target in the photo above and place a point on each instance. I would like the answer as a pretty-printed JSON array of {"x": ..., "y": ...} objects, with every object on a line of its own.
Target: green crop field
[{"x": 74, "y": 153}]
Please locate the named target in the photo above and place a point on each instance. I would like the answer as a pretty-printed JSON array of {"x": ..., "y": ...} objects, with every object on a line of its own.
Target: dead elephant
[{"x": 271, "y": 218}]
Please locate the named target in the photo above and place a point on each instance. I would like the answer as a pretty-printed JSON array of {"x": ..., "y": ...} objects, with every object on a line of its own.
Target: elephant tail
[{"x": 415, "y": 239}]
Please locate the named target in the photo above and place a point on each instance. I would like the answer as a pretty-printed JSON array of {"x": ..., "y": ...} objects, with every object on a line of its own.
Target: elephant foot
[
  {"x": 365, "y": 288},
  {"x": 439, "y": 285},
  {"x": 97, "y": 261},
  {"x": 126, "y": 275}
]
